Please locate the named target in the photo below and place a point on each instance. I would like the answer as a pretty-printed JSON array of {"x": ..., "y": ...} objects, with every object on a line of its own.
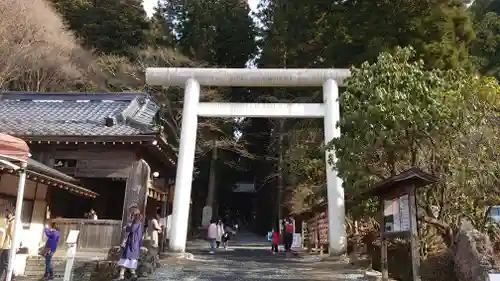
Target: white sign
[
  {"x": 404, "y": 213},
  {"x": 163, "y": 222},
  {"x": 72, "y": 236},
  {"x": 297, "y": 241},
  {"x": 169, "y": 226},
  {"x": 397, "y": 214},
  {"x": 494, "y": 277}
]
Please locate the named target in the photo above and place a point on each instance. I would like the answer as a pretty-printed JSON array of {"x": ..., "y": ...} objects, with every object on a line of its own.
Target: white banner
[{"x": 297, "y": 241}]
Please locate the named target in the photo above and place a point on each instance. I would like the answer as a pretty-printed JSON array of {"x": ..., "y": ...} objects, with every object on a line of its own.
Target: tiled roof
[
  {"x": 76, "y": 114},
  {"x": 39, "y": 171},
  {"x": 46, "y": 170}
]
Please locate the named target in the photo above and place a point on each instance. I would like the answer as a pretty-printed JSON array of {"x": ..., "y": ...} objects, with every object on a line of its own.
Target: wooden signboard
[
  {"x": 397, "y": 197},
  {"x": 94, "y": 163},
  {"x": 136, "y": 190}
]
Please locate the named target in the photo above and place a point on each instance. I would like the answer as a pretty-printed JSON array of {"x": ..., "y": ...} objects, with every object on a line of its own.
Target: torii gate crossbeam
[{"x": 193, "y": 78}]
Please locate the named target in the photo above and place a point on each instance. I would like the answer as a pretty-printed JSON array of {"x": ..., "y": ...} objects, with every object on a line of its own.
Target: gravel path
[{"x": 253, "y": 264}]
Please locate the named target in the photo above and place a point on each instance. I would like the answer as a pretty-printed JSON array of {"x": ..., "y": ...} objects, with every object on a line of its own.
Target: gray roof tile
[{"x": 76, "y": 114}]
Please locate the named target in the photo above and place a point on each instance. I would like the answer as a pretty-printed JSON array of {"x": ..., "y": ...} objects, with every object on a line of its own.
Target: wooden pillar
[
  {"x": 414, "y": 239},
  {"x": 164, "y": 214},
  {"x": 383, "y": 245}
]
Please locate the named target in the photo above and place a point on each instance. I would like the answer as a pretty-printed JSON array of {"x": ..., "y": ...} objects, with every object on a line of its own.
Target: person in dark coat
[
  {"x": 288, "y": 235},
  {"x": 131, "y": 249}
]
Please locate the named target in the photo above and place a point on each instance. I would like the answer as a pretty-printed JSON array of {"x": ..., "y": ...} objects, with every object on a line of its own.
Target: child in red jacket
[{"x": 276, "y": 242}]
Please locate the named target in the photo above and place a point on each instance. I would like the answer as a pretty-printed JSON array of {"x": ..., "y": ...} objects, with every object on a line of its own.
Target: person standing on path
[
  {"x": 53, "y": 237},
  {"x": 212, "y": 235},
  {"x": 6, "y": 244},
  {"x": 220, "y": 233},
  {"x": 132, "y": 245},
  {"x": 288, "y": 236},
  {"x": 276, "y": 241},
  {"x": 228, "y": 232},
  {"x": 154, "y": 229}
]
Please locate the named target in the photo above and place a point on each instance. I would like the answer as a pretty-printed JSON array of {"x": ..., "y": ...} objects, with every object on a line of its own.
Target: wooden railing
[{"x": 94, "y": 234}]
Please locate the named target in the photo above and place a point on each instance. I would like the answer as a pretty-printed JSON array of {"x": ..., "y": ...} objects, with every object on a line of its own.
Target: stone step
[
  {"x": 32, "y": 278},
  {"x": 36, "y": 267},
  {"x": 40, "y": 273},
  {"x": 31, "y": 260},
  {"x": 35, "y": 271},
  {"x": 41, "y": 268},
  {"x": 42, "y": 263}
]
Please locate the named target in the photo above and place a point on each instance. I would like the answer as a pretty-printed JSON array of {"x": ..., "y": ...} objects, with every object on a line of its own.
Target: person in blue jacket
[{"x": 53, "y": 236}]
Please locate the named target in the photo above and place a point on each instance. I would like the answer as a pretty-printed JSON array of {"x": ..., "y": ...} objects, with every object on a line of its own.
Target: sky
[{"x": 150, "y": 4}]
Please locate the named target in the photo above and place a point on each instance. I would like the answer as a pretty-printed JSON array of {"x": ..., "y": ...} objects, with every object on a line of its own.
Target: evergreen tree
[
  {"x": 107, "y": 26},
  {"x": 492, "y": 6},
  {"x": 220, "y": 33},
  {"x": 486, "y": 48},
  {"x": 345, "y": 33},
  {"x": 341, "y": 34},
  {"x": 161, "y": 31}
]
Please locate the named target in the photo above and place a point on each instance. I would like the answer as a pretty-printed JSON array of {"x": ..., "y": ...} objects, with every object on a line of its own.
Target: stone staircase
[{"x": 35, "y": 268}]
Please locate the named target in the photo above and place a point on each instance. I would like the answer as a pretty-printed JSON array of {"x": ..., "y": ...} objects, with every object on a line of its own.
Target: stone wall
[
  {"x": 105, "y": 270},
  {"x": 473, "y": 254}
]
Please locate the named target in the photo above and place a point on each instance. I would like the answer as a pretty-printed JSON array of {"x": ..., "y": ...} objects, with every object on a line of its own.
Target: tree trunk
[
  {"x": 211, "y": 181},
  {"x": 443, "y": 229}
]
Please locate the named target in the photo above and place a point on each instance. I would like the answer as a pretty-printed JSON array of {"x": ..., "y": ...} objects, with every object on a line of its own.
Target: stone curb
[
  {"x": 326, "y": 257},
  {"x": 180, "y": 256},
  {"x": 373, "y": 275}
]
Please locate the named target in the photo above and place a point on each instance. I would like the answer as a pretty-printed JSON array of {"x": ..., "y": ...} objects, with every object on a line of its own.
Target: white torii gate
[{"x": 192, "y": 78}]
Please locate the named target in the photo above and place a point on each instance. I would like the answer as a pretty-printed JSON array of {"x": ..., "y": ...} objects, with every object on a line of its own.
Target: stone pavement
[{"x": 251, "y": 263}]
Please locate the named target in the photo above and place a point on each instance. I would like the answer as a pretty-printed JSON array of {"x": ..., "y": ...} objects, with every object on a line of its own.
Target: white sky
[{"x": 150, "y": 4}]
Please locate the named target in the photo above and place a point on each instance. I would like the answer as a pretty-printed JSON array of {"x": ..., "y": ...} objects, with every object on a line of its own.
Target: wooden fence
[{"x": 94, "y": 234}]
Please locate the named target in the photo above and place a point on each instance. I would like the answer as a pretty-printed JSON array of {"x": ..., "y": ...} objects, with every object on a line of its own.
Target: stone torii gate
[{"x": 193, "y": 78}]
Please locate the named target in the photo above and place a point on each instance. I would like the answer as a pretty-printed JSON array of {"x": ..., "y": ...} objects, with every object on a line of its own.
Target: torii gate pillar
[{"x": 192, "y": 78}]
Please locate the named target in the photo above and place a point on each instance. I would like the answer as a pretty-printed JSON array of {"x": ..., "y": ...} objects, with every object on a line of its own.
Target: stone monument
[{"x": 136, "y": 192}]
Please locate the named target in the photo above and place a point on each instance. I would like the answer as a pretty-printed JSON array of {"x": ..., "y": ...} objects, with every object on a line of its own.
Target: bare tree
[
  {"x": 37, "y": 52},
  {"x": 125, "y": 76}
]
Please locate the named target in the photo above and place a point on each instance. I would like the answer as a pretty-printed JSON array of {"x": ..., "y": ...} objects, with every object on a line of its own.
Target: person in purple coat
[
  {"x": 131, "y": 249},
  {"x": 53, "y": 236}
]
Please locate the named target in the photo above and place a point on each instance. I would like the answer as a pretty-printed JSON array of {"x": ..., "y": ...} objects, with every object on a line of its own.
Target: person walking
[
  {"x": 6, "y": 244},
  {"x": 154, "y": 229},
  {"x": 220, "y": 233},
  {"x": 132, "y": 245},
  {"x": 275, "y": 241},
  {"x": 228, "y": 232},
  {"x": 288, "y": 236},
  {"x": 53, "y": 237},
  {"x": 212, "y": 235}
]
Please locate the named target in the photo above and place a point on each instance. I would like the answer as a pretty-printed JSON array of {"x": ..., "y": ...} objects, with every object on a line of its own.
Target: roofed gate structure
[{"x": 92, "y": 137}]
